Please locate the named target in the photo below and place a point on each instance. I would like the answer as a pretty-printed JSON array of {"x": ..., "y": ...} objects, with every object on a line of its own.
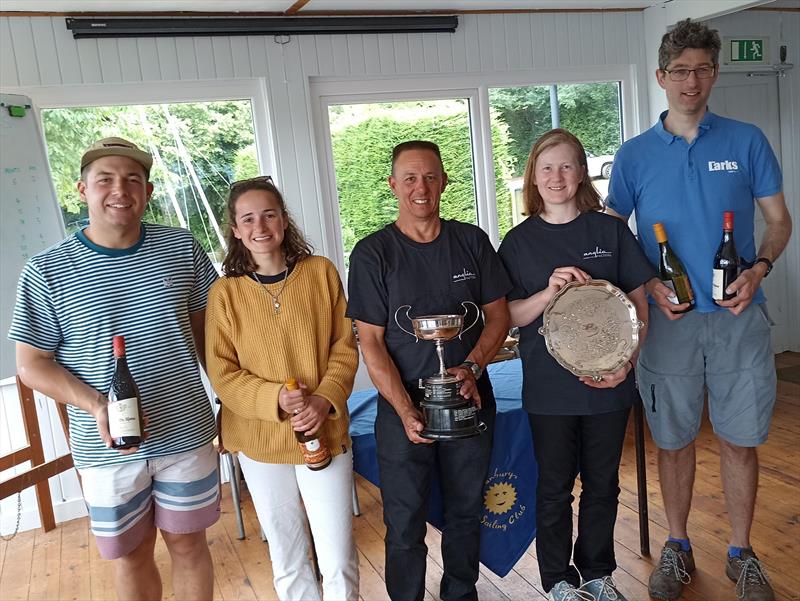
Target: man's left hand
[
  {"x": 469, "y": 388},
  {"x": 744, "y": 287}
]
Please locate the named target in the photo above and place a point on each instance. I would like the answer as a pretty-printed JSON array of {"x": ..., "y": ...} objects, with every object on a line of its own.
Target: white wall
[
  {"x": 40, "y": 51},
  {"x": 783, "y": 28},
  {"x": 660, "y": 17},
  {"x": 39, "y": 57}
]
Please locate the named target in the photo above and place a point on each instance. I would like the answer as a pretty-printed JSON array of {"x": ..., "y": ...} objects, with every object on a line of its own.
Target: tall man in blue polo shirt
[{"x": 684, "y": 172}]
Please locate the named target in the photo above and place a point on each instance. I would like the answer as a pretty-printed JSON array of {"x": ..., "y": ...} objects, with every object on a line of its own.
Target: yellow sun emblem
[{"x": 500, "y": 498}]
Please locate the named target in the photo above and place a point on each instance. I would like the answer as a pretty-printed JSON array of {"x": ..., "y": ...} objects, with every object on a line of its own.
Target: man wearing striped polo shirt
[{"x": 148, "y": 283}]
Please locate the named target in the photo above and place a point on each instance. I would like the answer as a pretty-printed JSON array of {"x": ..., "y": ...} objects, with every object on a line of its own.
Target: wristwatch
[
  {"x": 766, "y": 262},
  {"x": 474, "y": 368}
]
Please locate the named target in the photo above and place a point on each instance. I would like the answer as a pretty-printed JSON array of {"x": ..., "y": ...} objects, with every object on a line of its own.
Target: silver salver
[{"x": 591, "y": 329}]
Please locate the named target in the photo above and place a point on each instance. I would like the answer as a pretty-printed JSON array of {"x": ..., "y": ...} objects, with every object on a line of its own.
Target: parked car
[{"x": 599, "y": 166}]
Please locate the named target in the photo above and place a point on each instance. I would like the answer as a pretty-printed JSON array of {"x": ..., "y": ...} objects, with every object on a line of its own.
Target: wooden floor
[{"x": 64, "y": 564}]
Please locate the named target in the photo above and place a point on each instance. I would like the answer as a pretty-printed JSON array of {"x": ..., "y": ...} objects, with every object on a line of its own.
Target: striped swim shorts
[{"x": 175, "y": 493}]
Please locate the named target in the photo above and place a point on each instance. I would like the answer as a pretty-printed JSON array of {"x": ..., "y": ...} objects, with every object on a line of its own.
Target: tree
[
  {"x": 362, "y": 160},
  {"x": 218, "y": 137},
  {"x": 590, "y": 111}
]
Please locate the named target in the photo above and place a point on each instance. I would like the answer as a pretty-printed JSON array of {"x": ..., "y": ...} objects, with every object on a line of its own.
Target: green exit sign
[{"x": 747, "y": 50}]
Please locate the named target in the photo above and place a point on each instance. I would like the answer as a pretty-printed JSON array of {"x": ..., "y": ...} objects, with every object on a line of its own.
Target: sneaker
[
  {"x": 751, "y": 580},
  {"x": 564, "y": 591},
  {"x": 603, "y": 589},
  {"x": 671, "y": 573}
]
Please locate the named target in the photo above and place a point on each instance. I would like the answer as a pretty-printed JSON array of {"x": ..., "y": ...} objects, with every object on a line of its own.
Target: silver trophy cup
[{"x": 448, "y": 415}]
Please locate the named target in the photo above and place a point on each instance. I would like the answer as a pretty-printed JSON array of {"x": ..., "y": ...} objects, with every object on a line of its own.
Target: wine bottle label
[
  {"x": 672, "y": 297},
  {"x": 718, "y": 285},
  {"x": 123, "y": 418},
  {"x": 679, "y": 284},
  {"x": 315, "y": 454}
]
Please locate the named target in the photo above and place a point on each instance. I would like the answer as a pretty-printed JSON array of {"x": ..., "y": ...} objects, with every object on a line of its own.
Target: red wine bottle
[
  {"x": 726, "y": 261},
  {"x": 672, "y": 272},
  {"x": 316, "y": 454},
  {"x": 124, "y": 402}
]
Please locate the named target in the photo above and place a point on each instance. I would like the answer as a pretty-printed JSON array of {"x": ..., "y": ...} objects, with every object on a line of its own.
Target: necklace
[{"x": 276, "y": 304}]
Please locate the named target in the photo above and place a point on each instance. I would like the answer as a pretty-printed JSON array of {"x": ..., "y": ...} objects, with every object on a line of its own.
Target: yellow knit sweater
[{"x": 251, "y": 351}]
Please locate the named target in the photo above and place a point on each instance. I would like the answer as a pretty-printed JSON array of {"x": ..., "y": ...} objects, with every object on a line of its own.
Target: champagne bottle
[
  {"x": 316, "y": 454},
  {"x": 672, "y": 272},
  {"x": 726, "y": 261},
  {"x": 124, "y": 402}
]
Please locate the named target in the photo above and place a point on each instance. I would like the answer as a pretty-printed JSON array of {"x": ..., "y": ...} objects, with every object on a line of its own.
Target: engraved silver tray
[{"x": 591, "y": 328}]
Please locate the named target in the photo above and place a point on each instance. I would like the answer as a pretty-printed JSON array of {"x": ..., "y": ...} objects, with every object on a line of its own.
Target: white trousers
[{"x": 279, "y": 493}]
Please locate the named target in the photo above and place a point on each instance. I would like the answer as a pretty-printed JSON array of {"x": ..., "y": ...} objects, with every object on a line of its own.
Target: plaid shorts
[{"x": 176, "y": 493}]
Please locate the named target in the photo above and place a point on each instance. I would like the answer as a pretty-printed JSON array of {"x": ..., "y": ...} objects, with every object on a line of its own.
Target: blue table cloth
[{"x": 509, "y": 510}]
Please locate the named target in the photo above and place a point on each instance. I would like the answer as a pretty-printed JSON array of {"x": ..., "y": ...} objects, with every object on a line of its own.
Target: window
[
  {"x": 591, "y": 111},
  {"x": 362, "y": 137},
  {"x": 505, "y": 113},
  {"x": 198, "y": 149}
]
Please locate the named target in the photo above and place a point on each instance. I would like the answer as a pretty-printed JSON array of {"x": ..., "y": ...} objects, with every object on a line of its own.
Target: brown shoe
[
  {"x": 751, "y": 580},
  {"x": 671, "y": 573}
]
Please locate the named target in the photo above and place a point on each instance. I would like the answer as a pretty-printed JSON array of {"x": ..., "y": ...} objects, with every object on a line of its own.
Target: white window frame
[
  {"x": 254, "y": 90},
  {"x": 327, "y": 91},
  {"x": 327, "y": 175},
  {"x": 65, "y": 485}
]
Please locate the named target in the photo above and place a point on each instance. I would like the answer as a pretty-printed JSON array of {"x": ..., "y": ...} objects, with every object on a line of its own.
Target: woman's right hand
[
  {"x": 293, "y": 401},
  {"x": 562, "y": 276}
]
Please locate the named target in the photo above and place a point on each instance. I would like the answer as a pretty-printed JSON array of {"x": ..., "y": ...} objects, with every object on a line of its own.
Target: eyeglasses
[
  {"x": 267, "y": 179},
  {"x": 683, "y": 74}
]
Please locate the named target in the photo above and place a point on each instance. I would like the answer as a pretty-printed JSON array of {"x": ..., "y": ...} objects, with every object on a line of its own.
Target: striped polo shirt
[{"x": 75, "y": 296}]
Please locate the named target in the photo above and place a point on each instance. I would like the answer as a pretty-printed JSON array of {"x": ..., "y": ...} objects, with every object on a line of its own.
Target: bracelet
[
  {"x": 766, "y": 262},
  {"x": 633, "y": 367},
  {"x": 473, "y": 367}
]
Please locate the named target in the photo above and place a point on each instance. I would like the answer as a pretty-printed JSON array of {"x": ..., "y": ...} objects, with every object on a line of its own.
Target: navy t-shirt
[
  {"x": 388, "y": 271},
  {"x": 603, "y": 247}
]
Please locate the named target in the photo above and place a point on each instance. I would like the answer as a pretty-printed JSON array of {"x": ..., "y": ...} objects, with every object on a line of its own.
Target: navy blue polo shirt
[{"x": 687, "y": 187}]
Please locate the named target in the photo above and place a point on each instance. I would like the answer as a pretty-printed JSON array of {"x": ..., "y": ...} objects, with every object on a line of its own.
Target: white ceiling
[
  {"x": 334, "y": 6},
  {"x": 329, "y": 6}
]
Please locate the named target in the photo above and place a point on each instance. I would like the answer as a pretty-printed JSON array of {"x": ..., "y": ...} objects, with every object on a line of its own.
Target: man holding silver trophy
[{"x": 419, "y": 280}]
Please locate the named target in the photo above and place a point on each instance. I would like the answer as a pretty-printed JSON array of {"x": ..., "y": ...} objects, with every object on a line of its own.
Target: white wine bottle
[{"x": 672, "y": 272}]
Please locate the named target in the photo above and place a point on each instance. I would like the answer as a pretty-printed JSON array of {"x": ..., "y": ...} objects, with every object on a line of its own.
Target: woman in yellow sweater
[{"x": 279, "y": 313}]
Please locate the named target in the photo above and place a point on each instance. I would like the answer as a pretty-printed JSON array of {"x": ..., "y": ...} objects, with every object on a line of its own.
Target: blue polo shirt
[{"x": 687, "y": 187}]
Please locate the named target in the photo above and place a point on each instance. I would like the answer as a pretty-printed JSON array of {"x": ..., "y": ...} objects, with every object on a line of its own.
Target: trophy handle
[
  {"x": 407, "y": 308},
  {"x": 466, "y": 310}
]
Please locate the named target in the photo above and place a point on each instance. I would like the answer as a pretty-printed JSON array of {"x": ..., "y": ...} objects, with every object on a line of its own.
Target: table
[{"x": 509, "y": 512}]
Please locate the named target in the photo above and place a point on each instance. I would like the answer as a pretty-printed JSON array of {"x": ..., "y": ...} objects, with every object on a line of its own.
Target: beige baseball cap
[{"x": 117, "y": 147}]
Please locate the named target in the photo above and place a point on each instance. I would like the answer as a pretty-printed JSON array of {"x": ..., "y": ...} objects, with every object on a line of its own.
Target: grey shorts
[{"x": 730, "y": 356}]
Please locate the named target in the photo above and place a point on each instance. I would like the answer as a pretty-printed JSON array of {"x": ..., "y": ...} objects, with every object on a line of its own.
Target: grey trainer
[
  {"x": 564, "y": 591},
  {"x": 671, "y": 573},
  {"x": 603, "y": 589},
  {"x": 751, "y": 580}
]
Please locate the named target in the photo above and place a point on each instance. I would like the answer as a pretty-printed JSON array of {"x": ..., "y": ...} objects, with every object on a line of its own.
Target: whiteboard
[{"x": 30, "y": 217}]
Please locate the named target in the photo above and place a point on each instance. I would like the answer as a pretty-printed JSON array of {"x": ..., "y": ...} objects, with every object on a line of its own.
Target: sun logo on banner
[
  {"x": 500, "y": 498},
  {"x": 502, "y": 504}
]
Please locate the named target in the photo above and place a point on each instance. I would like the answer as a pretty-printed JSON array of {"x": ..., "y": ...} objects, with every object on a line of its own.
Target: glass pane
[
  {"x": 198, "y": 150},
  {"x": 591, "y": 111},
  {"x": 362, "y": 138}
]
